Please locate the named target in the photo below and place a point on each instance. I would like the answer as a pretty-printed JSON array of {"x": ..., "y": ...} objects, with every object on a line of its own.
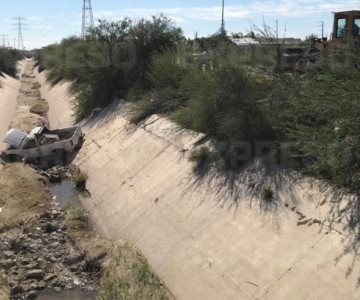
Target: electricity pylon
[
  {"x": 20, "y": 27},
  {"x": 87, "y": 17}
]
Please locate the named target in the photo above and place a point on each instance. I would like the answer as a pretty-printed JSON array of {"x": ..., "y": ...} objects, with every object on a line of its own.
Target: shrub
[
  {"x": 267, "y": 194},
  {"x": 80, "y": 177},
  {"x": 8, "y": 61},
  {"x": 113, "y": 58},
  {"x": 200, "y": 156}
]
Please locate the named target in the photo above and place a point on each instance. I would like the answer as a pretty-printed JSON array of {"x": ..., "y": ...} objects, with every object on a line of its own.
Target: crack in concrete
[{"x": 291, "y": 267}]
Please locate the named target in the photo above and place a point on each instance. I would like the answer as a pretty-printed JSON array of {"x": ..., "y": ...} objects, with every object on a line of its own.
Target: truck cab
[{"x": 346, "y": 27}]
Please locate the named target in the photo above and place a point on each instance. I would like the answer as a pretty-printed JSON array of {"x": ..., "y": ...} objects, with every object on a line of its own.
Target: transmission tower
[
  {"x": 20, "y": 27},
  {"x": 87, "y": 17},
  {"x": 4, "y": 38}
]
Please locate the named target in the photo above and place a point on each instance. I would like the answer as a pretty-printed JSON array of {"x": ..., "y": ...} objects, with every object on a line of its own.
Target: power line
[
  {"x": 87, "y": 17},
  {"x": 20, "y": 27}
]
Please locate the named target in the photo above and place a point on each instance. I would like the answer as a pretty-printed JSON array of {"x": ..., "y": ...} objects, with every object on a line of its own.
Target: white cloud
[{"x": 289, "y": 8}]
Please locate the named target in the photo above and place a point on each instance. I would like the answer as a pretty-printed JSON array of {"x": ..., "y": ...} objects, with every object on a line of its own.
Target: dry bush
[{"x": 40, "y": 108}]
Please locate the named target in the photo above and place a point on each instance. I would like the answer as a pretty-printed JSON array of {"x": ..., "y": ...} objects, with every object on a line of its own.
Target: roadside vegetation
[
  {"x": 231, "y": 94},
  {"x": 8, "y": 61}
]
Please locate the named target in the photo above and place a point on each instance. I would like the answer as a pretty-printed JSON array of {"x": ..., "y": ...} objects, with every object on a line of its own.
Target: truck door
[{"x": 30, "y": 149}]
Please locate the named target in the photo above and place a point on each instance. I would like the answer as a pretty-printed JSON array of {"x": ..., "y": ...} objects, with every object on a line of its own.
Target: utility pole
[
  {"x": 20, "y": 27},
  {"x": 87, "y": 17},
  {"x": 223, "y": 18},
  {"x": 322, "y": 29},
  {"x": 277, "y": 29},
  {"x": 14, "y": 43}
]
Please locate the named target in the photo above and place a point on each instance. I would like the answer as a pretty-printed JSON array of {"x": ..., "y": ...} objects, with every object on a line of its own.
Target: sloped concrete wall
[
  {"x": 209, "y": 236},
  {"x": 9, "y": 90}
]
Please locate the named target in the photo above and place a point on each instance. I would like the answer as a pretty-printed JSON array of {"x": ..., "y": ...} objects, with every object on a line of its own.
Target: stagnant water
[
  {"x": 64, "y": 193},
  {"x": 75, "y": 294}
]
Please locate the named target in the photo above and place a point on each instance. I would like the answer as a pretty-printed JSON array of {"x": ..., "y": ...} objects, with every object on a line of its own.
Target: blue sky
[{"x": 51, "y": 20}]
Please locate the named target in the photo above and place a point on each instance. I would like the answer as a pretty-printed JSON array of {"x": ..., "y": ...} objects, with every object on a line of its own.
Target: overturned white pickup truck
[{"x": 42, "y": 144}]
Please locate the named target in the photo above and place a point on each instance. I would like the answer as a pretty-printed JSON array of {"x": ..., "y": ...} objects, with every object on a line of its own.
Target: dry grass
[
  {"x": 80, "y": 177},
  {"x": 40, "y": 108},
  {"x": 23, "y": 195},
  {"x": 127, "y": 275}
]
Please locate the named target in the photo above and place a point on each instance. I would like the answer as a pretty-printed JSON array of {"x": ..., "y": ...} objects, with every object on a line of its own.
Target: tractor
[{"x": 346, "y": 33}]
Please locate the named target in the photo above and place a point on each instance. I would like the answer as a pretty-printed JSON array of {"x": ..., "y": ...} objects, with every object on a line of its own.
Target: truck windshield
[
  {"x": 357, "y": 26},
  {"x": 341, "y": 28},
  {"x": 31, "y": 144}
]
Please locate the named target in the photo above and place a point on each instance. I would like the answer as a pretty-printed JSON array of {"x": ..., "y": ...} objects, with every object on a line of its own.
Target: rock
[
  {"x": 51, "y": 227},
  {"x": 74, "y": 259},
  {"x": 40, "y": 260},
  {"x": 54, "y": 245},
  {"x": 9, "y": 254},
  {"x": 55, "y": 178},
  {"x": 5, "y": 245},
  {"x": 33, "y": 286},
  {"x": 52, "y": 258},
  {"x": 8, "y": 264},
  {"x": 49, "y": 277},
  {"x": 41, "y": 285},
  {"x": 32, "y": 295},
  {"x": 25, "y": 262},
  {"x": 35, "y": 274},
  {"x": 17, "y": 290}
]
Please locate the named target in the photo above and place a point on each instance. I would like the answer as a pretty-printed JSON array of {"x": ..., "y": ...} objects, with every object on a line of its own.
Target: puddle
[
  {"x": 75, "y": 294},
  {"x": 64, "y": 193}
]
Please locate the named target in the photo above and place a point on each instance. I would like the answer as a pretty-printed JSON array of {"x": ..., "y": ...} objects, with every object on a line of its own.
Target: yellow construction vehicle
[{"x": 346, "y": 33}]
